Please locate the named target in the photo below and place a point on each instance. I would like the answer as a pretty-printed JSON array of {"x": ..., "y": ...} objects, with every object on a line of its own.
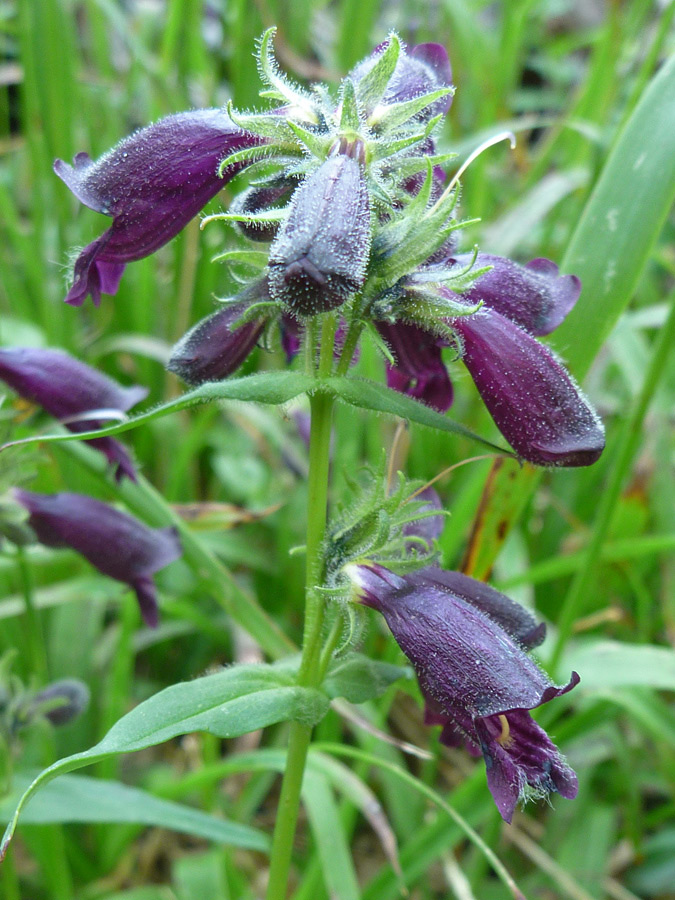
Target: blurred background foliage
[{"x": 566, "y": 77}]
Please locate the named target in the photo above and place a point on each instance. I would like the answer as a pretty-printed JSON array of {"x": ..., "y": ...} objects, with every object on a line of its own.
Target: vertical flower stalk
[{"x": 321, "y": 408}]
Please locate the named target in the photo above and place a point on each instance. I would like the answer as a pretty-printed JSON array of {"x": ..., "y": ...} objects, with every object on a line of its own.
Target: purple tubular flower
[
  {"x": 213, "y": 349},
  {"x": 532, "y": 398},
  {"x": 152, "y": 183},
  {"x": 68, "y": 389},
  {"x": 419, "y": 370},
  {"x": 115, "y": 543},
  {"x": 534, "y": 296},
  {"x": 319, "y": 256},
  {"x": 461, "y": 638}
]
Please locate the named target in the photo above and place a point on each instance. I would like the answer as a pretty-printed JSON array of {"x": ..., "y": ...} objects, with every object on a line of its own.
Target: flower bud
[
  {"x": 62, "y": 701},
  {"x": 319, "y": 257},
  {"x": 213, "y": 349}
]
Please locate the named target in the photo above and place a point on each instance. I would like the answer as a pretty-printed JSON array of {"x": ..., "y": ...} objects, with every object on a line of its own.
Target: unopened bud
[
  {"x": 319, "y": 257},
  {"x": 62, "y": 701}
]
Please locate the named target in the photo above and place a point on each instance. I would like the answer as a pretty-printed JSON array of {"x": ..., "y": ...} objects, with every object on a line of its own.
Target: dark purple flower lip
[
  {"x": 76, "y": 394},
  {"x": 114, "y": 542},
  {"x": 467, "y": 644},
  {"x": 152, "y": 183}
]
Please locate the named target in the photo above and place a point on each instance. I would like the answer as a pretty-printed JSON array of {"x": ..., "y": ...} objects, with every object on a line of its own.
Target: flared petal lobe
[
  {"x": 479, "y": 682},
  {"x": 152, "y": 183},
  {"x": 419, "y": 370},
  {"x": 115, "y": 543},
  {"x": 319, "y": 256},
  {"x": 535, "y": 296},
  {"x": 534, "y": 401},
  {"x": 68, "y": 389}
]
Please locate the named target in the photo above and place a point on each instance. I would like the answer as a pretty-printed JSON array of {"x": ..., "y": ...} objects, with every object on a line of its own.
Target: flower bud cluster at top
[
  {"x": 348, "y": 194},
  {"x": 349, "y": 167}
]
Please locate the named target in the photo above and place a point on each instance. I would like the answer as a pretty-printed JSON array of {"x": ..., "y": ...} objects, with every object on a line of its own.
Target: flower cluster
[{"x": 348, "y": 193}]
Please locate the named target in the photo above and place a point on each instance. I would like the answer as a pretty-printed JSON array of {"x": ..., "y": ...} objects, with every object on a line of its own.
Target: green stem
[
  {"x": 321, "y": 406},
  {"x": 626, "y": 446}
]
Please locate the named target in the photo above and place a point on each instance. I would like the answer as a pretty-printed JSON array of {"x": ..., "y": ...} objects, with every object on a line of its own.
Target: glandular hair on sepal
[{"x": 319, "y": 256}]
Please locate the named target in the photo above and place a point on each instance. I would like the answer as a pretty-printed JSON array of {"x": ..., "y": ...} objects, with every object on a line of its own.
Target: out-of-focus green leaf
[
  {"x": 337, "y": 866},
  {"x": 77, "y": 798},
  {"x": 608, "y": 251},
  {"x": 235, "y": 701},
  {"x": 358, "y": 678},
  {"x": 610, "y": 664}
]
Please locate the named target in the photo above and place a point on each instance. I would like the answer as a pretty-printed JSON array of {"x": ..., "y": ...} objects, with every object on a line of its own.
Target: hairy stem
[{"x": 321, "y": 406}]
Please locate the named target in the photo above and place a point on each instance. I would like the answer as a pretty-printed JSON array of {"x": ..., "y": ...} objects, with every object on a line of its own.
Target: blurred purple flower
[
  {"x": 152, "y": 183},
  {"x": 61, "y": 701},
  {"x": 534, "y": 401},
  {"x": 69, "y": 389},
  {"x": 430, "y": 527},
  {"x": 115, "y": 543},
  {"x": 467, "y": 644}
]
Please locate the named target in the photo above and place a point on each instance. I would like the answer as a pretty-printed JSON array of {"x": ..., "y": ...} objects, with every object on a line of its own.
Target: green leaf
[
  {"x": 266, "y": 387},
  {"x": 397, "y": 114},
  {"x": 78, "y": 798},
  {"x": 235, "y": 701},
  {"x": 349, "y": 118},
  {"x": 621, "y": 222},
  {"x": 608, "y": 251},
  {"x": 337, "y": 866},
  {"x": 610, "y": 664},
  {"x": 367, "y": 394},
  {"x": 358, "y": 678},
  {"x": 372, "y": 86}
]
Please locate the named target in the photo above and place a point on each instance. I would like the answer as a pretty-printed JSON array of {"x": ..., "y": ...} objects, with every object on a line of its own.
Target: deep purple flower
[
  {"x": 535, "y": 296},
  {"x": 532, "y": 398},
  {"x": 419, "y": 370},
  {"x": 319, "y": 256},
  {"x": 212, "y": 349},
  {"x": 534, "y": 401},
  {"x": 115, "y": 543},
  {"x": 467, "y": 645},
  {"x": 152, "y": 183},
  {"x": 68, "y": 389}
]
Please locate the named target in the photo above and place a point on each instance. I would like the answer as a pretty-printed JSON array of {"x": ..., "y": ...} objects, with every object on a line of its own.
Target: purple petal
[
  {"x": 115, "y": 543},
  {"x": 534, "y": 401},
  {"x": 419, "y": 370},
  {"x": 521, "y": 760},
  {"x": 152, "y": 183},
  {"x": 534, "y": 296},
  {"x": 517, "y": 621},
  {"x": 67, "y": 388},
  {"x": 291, "y": 329},
  {"x": 213, "y": 349},
  {"x": 62, "y": 701}
]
